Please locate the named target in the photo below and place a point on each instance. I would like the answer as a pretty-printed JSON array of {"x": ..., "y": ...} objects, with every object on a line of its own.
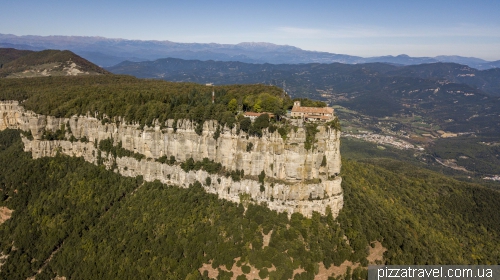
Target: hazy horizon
[{"x": 358, "y": 28}]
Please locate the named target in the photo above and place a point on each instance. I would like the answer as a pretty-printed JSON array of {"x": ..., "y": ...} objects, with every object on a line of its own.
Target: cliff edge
[{"x": 289, "y": 174}]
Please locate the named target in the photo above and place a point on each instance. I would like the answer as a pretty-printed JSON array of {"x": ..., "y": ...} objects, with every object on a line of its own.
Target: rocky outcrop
[{"x": 297, "y": 180}]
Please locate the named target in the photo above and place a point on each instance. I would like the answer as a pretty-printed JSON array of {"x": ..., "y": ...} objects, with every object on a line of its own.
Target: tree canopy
[
  {"x": 100, "y": 225},
  {"x": 139, "y": 100}
]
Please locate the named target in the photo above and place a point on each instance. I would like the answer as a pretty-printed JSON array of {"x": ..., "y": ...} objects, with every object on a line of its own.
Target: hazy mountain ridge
[
  {"x": 486, "y": 80},
  {"x": 16, "y": 64},
  {"x": 9, "y": 54},
  {"x": 306, "y": 78},
  {"x": 108, "y": 52}
]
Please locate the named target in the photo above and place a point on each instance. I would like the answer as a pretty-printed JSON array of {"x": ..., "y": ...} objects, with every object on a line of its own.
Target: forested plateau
[
  {"x": 74, "y": 219},
  {"x": 296, "y": 171}
]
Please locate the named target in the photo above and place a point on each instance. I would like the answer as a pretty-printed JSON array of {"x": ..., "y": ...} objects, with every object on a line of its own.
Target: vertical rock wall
[{"x": 296, "y": 181}]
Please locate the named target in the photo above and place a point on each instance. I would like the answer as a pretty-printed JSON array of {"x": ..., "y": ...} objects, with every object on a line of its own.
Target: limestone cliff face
[{"x": 296, "y": 179}]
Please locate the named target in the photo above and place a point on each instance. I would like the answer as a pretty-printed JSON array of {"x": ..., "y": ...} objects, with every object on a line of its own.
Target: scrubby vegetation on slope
[
  {"x": 24, "y": 60},
  {"x": 10, "y": 54}
]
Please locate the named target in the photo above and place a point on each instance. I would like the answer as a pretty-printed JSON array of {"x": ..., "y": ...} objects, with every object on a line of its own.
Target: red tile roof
[
  {"x": 312, "y": 110},
  {"x": 253, "y": 114}
]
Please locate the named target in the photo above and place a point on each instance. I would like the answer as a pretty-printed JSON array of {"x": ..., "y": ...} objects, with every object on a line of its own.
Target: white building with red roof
[{"x": 312, "y": 113}]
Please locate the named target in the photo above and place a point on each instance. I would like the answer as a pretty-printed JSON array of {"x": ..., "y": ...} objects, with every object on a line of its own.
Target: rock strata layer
[{"x": 297, "y": 180}]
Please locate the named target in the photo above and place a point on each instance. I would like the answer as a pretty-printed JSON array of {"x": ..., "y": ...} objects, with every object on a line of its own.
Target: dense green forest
[
  {"x": 479, "y": 155},
  {"x": 99, "y": 225},
  {"x": 142, "y": 101},
  {"x": 149, "y": 102},
  {"x": 472, "y": 152}
]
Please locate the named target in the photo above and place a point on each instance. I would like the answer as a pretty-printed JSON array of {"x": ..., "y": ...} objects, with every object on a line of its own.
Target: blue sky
[{"x": 364, "y": 28}]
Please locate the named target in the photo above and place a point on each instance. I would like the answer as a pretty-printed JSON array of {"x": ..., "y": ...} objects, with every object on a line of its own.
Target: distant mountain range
[
  {"x": 304, "y": 79},
  {"x": 108, "y": 52},
  {"x": 457, "y": 97}
]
